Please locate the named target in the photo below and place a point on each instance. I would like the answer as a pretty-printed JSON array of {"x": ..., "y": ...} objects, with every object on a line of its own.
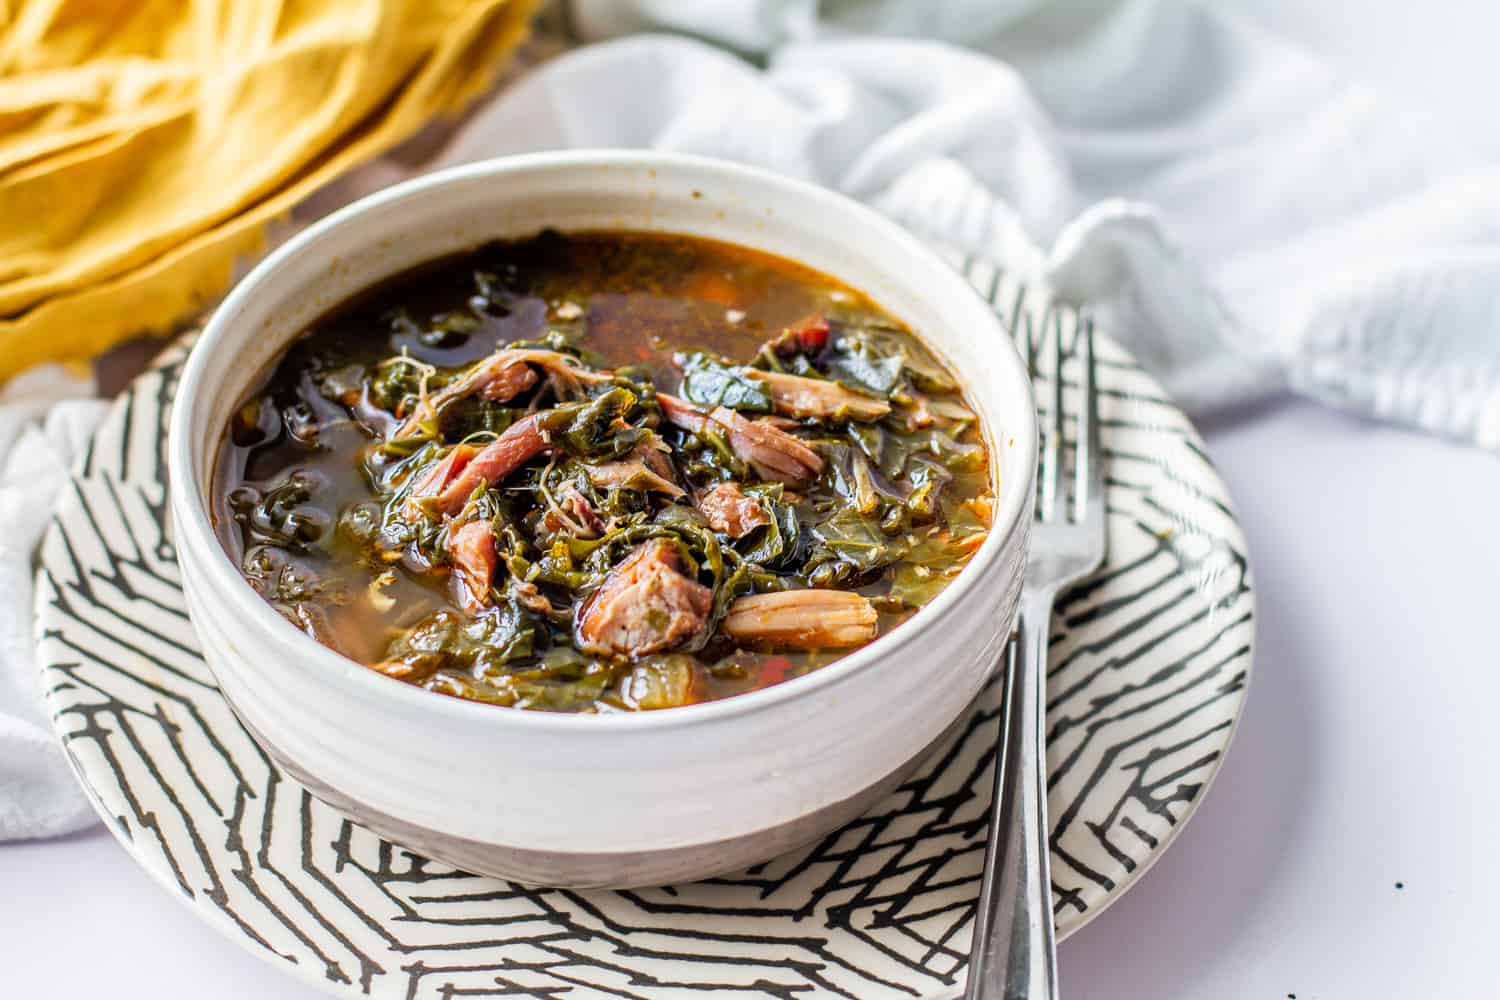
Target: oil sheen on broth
[{"x": 603, "y": 471}]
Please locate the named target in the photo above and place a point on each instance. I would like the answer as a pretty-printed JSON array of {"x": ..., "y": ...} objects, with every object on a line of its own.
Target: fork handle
[{"x": 1015, "y": 953}]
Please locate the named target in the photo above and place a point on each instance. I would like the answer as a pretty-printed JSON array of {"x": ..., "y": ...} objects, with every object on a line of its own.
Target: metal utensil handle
[{"x": 1015, "y": 957}]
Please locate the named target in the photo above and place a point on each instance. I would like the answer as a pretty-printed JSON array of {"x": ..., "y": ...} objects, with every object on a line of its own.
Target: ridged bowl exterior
[{"x": 611, "y": 800}]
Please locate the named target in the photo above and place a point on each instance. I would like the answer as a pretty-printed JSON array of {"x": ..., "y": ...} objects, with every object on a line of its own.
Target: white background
[{"x": 1366, "y": 757}]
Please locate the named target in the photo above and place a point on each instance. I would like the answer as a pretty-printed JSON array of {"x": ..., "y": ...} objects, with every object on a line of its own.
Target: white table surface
[{"x": 1366, "y": 757}]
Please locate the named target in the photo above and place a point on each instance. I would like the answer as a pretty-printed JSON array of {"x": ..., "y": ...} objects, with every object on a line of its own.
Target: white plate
[{"x": 1148, "y": 672}]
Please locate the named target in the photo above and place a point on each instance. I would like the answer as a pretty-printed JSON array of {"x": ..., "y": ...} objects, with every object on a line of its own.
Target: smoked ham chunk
[
  {"x": 472, "y": 548},
  {"x": 729, "y": 510},
  {"x": 766, "y": 448},
  {"x": 522, "y": 441},
  {"x": 646, "y": 604},
  {"x": 802, "y": 619}
]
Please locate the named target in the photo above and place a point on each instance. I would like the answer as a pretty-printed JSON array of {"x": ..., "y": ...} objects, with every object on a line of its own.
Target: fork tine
[
  {"x": 1050, "y": 476},
  {"x": 1083, "y": 451},
  {"x": 1029, "y": 355},
  {"x": 1088, "y": 466}
]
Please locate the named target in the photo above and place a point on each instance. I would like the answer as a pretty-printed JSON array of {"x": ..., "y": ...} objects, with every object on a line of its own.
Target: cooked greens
[{"x": 604, "y": 472}]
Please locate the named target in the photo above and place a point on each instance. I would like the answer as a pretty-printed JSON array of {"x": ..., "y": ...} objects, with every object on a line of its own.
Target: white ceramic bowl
[{"x": 630, "y": 799}]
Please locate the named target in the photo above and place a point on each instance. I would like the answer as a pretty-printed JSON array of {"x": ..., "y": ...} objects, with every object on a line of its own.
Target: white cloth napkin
[
  {"x": 1247, "y": 222},
  {"x": 45, "y": 423}
]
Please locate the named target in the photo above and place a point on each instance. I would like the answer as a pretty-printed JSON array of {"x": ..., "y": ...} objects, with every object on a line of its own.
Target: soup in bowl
[
  {"x": 603, "y": 471},
  {"x": 714, "y": 482}
]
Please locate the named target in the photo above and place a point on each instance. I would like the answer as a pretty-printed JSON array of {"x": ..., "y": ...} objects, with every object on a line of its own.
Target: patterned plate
[{"x": 1147, "y": 676}]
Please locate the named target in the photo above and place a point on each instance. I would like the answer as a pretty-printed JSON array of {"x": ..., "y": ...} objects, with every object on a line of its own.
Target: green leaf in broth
[
  {"x": 596, "y": 428},
  {"x": 710, "y": 383},
  {"x": 775, "y": 544},
  {"x": 855, "y": 539},
  {"x": 682, "y": 515},
  {"x": 957, "y": 456},
  {"x": 396, "y": 381},
  {"x": 562, "y": 680},
  {"x": 662, "y": 681},
  {"x": 466, "y": 418},
  {"x": 927, "y": 479},
  {"x": 913, "y": 585},
  {"x": 869, "y": 438},
  {"x": 964, "y": 524},
  {"x": 877, "y": 343},
  {"x": 859, "y": 368},
  {"x": 501, "y": 636}
]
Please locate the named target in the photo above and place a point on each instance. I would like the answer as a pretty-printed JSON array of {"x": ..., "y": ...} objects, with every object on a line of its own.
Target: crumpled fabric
[
  {"x": 46, "y": 420},
  {"x": 145, "y": 146},
  {"x": 1245, "y": 220}
]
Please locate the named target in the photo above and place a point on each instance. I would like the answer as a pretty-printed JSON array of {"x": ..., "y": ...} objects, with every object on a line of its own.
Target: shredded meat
[
  {"x": 472, "y": 547},
  {"x": 802, "y": 619},
  {"x": 632, "y": 472},
  {"x": 729, "y": 510},
  {"x": 521, "y": 442},
  {"x": 645, "y": 604},
  {"x": 770, "y": 451},
  {"x": 508, "y": 382},
  {"x": 530, "y": 597},
  {"x": 655, "y": 453},
  {"x": 798, "y": 396},
  {"x": 577, "y": 515},
  {"x": 440, "y": 475},
  {"x": 683, "y": 414},
  {"x": 924, "y": 411},
  {"x": 500, "y": 378},
  {"x": 578, "y": 505}
]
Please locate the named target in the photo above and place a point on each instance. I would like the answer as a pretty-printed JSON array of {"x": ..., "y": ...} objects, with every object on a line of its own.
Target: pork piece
[
  {"x": 808, "y": 335},
  {"x": 508, "y": 382},
  {"x": 802, "y": 619},
  {"x": 435, "y": 479},
  {"x": 799, "y": 396},
  {"x": 635, "y": 473},
  {"x": 730, "y": 511},
  {"x": 683, "y": 414},
  {"x": 472, "y": 548},
  {"x": 779, "y": 422},
  {"x": 500, "y": 378},
  {"x": 529, "y": 596},
  {"x": 770, "y": 451},
  {"x": 924, "y": 411},
  {"x": 522, "y": 441},
  {"x": 574, "y": 513},
  {"x": 645, "y": 605},
  {"x": 656, "y": 453}
]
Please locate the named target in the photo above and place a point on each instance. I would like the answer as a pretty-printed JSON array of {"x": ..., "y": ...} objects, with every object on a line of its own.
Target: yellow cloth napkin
[{"x": 145, "y": 145}]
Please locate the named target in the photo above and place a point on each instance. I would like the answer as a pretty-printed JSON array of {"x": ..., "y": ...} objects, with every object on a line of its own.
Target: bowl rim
[{"x": 195, "y": 531}]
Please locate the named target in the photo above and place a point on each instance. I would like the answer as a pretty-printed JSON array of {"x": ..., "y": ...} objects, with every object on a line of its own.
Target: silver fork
[{"x": 1015, "y": 953}]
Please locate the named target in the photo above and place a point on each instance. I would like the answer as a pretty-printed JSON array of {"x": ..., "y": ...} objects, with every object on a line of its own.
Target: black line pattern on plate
[{"x": 1146, "y": 677}]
